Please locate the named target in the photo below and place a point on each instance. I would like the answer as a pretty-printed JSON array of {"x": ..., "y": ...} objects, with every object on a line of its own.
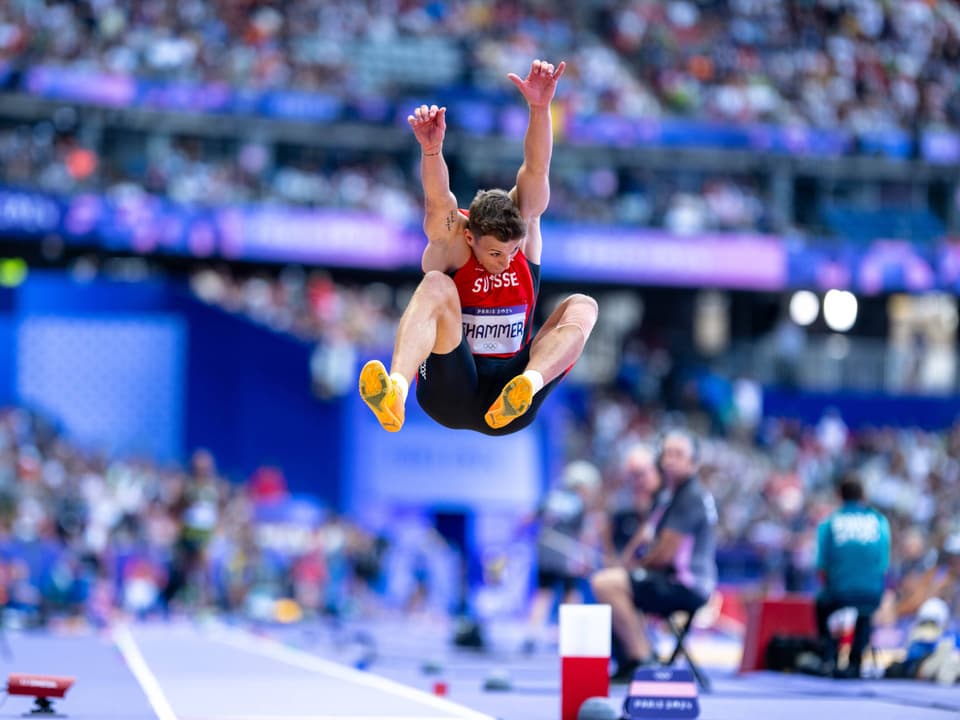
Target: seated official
[{"x": 678, "y": 571}]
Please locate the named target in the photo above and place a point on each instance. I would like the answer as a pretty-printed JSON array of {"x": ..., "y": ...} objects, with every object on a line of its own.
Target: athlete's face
[{"x": 495, "y": 256}]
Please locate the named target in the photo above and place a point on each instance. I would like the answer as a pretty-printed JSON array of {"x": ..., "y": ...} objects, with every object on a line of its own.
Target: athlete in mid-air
[{"x": 466, "y": 333}]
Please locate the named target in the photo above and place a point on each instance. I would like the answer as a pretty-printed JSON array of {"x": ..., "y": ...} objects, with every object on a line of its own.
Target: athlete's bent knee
[
  {"x": 438, "y": 289},
  {"x": 580, "y": 311}
]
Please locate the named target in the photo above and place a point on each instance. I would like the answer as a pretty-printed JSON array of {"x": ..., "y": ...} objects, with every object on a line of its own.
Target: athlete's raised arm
[
  {"x": 440, "y": 206},
  {"x": 533, "y": 180}
]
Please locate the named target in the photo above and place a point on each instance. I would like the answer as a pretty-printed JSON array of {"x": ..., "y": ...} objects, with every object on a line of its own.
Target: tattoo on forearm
[{"x": 451, "y": 220}]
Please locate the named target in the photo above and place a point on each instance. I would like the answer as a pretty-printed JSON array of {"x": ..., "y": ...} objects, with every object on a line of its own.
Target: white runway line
[
  {"x": 142, "y": 672},
  {"x": 275, "y": 650},
  {"x": 310, "y": 717}
]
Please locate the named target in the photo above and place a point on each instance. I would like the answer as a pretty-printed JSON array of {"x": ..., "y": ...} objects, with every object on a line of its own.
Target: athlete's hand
[
  {"x": 540, "y": 84},
  {"x": 429, "y": 126}
]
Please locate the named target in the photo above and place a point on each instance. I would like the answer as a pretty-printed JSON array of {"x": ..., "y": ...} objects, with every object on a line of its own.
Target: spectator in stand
[
  {"x": 913, "y": 574},
  {"x": 932, "y": 652},
  {"x": 947, "y": 584},
  {"x": 198, "y": 506},
  {"x": 632, "y": 503}
]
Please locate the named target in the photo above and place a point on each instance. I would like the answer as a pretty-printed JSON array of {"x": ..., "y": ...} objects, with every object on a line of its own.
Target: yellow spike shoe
[
  {"x": 380, "y": 394},
  {"x": 513, "y": 402}
]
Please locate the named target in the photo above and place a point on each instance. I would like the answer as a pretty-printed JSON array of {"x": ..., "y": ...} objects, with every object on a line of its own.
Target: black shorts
[
  {"x": 658, "y": 594},
  {"x": 458, "y": 388},
  {"x": 551, "y": 579}
]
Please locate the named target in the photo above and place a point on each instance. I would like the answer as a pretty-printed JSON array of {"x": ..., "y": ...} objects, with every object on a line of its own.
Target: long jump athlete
[{"x": 466, "y": 333}]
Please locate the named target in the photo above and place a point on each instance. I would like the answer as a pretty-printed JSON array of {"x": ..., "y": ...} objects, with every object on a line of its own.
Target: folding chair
[{"x": 680, "y": 631}]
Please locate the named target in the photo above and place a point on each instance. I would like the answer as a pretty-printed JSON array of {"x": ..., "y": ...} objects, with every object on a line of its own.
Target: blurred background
[{"x": 210, "y": 216}]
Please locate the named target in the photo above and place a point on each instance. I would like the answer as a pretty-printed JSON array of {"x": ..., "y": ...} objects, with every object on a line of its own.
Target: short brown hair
[{"x": 493, "y": 212}]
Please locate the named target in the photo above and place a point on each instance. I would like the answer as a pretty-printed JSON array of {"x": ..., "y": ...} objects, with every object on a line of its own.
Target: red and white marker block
[{"x": 584, "y": 656}]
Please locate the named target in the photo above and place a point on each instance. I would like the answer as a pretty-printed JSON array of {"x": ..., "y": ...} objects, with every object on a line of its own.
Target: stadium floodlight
[
  {"x": 840, "y": 310},
  {"x": 804, "y": 307}
]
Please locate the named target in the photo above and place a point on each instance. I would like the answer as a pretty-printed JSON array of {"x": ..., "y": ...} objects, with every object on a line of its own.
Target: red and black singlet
[{"x": 497, "y": 310}]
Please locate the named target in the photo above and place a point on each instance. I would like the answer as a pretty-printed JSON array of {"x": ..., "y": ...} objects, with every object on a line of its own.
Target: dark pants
[
  {"x": 659, "y": 594},
  {"x": 866, "y": 606}
]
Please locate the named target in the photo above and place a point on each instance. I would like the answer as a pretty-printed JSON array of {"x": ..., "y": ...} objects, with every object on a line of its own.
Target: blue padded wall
[{"x": 114, "y": 382}]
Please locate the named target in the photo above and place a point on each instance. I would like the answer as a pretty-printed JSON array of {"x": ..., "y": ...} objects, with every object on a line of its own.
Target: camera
[{"x": 41, "y": 687}]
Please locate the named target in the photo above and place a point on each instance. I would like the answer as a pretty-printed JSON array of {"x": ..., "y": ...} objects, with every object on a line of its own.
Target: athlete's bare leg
[
  {"x": 563, "y": 336},
  {"x": 431, "y": 323},
  {"x": 555, "y": 348}
]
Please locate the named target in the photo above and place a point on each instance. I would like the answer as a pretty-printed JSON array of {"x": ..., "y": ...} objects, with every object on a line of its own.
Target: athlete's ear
[{"x": 468, "y": 235}]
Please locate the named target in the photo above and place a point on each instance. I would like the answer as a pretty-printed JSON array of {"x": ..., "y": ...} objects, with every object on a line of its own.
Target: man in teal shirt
[{"x": 853, "y": 555}]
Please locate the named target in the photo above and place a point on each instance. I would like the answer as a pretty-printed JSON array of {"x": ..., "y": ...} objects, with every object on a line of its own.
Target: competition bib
[{"x": 494, "y": 331}]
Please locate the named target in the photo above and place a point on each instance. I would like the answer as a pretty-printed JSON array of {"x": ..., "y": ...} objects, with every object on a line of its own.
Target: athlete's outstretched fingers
[{"x": 560, "y": 68}]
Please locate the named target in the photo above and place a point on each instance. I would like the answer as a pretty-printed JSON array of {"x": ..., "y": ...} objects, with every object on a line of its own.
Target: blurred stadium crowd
[
  {"x": 190, "y": 171},
  {"x": 312, "y": 306},
  {"x": 867, "y": 67},
  {"x": 827, "y": 63},
  {"x": 85, "y": 536}
]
